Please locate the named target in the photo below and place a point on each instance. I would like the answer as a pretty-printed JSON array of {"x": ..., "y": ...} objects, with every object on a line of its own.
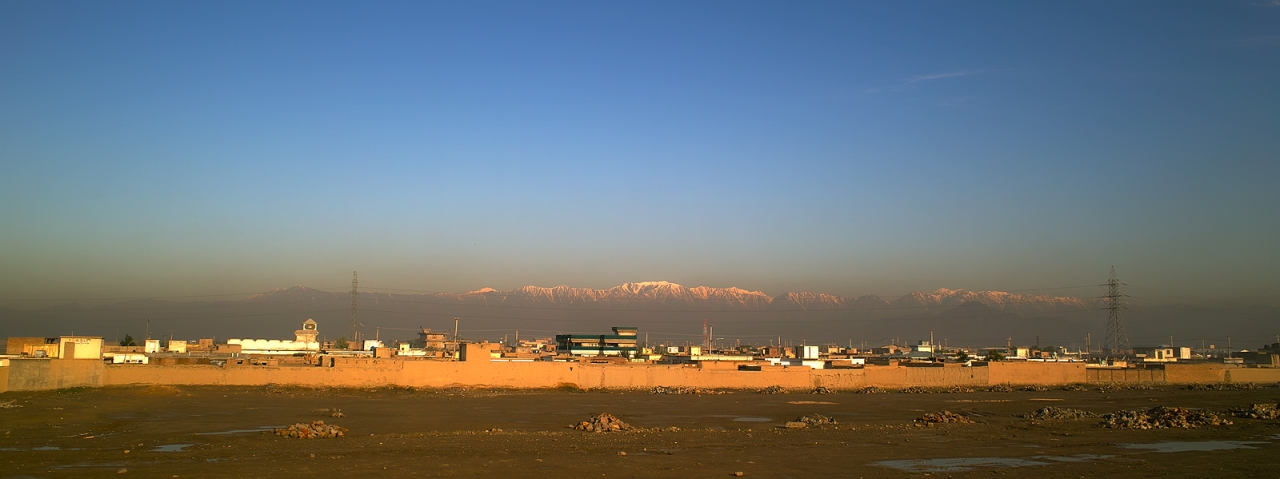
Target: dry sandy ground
[{"x": 122, "y": 432}]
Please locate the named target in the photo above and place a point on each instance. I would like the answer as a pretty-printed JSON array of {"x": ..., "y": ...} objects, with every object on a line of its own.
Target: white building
[
  {"x": 79, "y": 347},
  {"x": 304, "y": 341}
]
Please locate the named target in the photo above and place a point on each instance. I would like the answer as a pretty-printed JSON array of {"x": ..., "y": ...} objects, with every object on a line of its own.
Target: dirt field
[{"x": 217, "y": 432}]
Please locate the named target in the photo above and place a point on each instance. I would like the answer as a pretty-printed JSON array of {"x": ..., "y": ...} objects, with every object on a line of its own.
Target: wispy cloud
[
  {"x": 917, "y": 79},
  {"x": 939, "y": 76}
]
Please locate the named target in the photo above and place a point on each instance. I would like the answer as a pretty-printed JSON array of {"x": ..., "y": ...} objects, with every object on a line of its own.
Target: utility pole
[
  {"x": 148, "y": 329},
  {"x": 932, "y": 346},
  {"x": 1117, "y": 343},
  {"x": 455, "y": 332},
  {"x": 1088, "y": 348},
  {"x": 1228, "y": 347}
]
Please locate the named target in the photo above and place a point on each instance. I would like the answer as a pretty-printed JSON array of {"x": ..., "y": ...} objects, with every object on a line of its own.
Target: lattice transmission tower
[
  {"x": 1117, "y": 343},
  {"x": 355, "y": 325}
]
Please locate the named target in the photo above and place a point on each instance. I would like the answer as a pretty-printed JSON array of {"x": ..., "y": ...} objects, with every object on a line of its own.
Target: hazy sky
[{"x": 168, "y": 148}]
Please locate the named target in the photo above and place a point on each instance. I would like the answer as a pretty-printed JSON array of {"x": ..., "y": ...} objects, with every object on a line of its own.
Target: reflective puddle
[
  {"x": 239, "y": 431},
  {"x": 957, "y": 464},
  {"x": 752, "y": 419},
  {"x": 1194, "y": 446},
  {"x": 171, "y": 448}
]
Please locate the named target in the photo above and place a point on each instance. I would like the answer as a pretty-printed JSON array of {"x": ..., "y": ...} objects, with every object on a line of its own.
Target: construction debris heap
[
  {"x": 317, "y": 429},
  {"x": 602, "y": 423},
  {"x": 1161, "y": 417}
]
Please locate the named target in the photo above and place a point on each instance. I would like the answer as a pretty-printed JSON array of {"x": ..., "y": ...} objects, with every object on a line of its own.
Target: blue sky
[{"x": 168, "y": 148}]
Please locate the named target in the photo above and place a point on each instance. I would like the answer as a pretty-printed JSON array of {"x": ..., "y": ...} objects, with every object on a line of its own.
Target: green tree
[
  {"x": 962, "y": 356},
  {"x": 995, "y": 356},
  {"x": 127, "y": 341},
  {"x": 341, "y": 343}
]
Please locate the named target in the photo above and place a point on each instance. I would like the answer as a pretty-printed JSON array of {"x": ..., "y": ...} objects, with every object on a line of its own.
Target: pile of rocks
[
  {"x": 772, "y": 390},
  {"x": 959, "y": 389},
  {"x": 602, "y": 423},
  {"x": 816, "y": 420},
  {"x": 1161, "y": 417},
  {"x": 1035, "y": 388},
  {"x": 1257, "y": 411},
  {"x": 943, "y": 417},
  {"x": 871, "y": 390},
  {"x": 1057, "y": 414},
  {"x": 683, "y": 390},
  {"x": 821, "y": 390},
  {"x": 1124, "y": 387},
  {"x": 1075, "y": 387},
  {"x": 317, "y": 429},
  {"x": 1222, "y": 386},
  {"x": 1000, "y": 388},
  {"x": 914, "y": 390}
]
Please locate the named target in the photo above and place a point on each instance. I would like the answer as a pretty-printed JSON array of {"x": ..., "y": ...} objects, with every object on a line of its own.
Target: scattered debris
[
  {"x": 959, "y": 389},
  {"x": 1161, "y": 417},
  {"x": 1034, "y": 388},
  {"x": 1075, "y": 387},
  {"x": 816, "y": 420},
  {"x": 1000, "y": 388},
  {"x": 871, "y": 390},
  {"x": 317, "y": 429},
  {"x": 603, "y": 423},
  {"x": 1222, "y": 386},
  {"x": 1257, "y": 411},
  {"x": 914, "y": 390},
  {"x": 1124, "y": 387},
  {"x": 737, "y": 474},
  {"x": 821, "y": 390},
  {"x": 335, "y": 412},
  {"x": 794, "y": 425},
  {"x": 1058, "y": 414},
  {"x": 10, "y": 404},
  {"x": 772, "y": 390},
  {"x": 943, "y": 417},
  {"x": 683, "y": 390}
]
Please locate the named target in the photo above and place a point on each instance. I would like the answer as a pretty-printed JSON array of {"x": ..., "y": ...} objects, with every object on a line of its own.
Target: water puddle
[
  {"x": 171, "y": 447},
  {"x": 958, "y": 464},
  {"x": 810, "y": 402},
  {"x": 1181, "y": 446},
  {"x": 238, "y": 431},
  {"x": 753, "y": 419}
]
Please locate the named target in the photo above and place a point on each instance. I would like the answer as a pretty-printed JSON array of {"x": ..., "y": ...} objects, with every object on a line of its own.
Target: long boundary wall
[{"x": 54, "y": 374}]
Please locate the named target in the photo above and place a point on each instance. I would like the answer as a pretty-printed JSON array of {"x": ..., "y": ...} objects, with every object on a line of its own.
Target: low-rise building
[{"x": 621, "y": 343}]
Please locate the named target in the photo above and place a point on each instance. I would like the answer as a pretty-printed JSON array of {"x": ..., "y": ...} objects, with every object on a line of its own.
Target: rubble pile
[
  {"x": 1257, "y": 411},
  {"x": 914, "y": 390},
  {"x": 773, "y": 390},
  {"x": 1034, "y": 388},
  {"x": 1221, "y": 386},
  {"x": 1058, "y": 414},
  {"x": 959, "y": 389},
  {"x": 1075, "y": 387},
  {"x": 317, "y": 429},
  {"x": 821, "y": 390},
  {"x": 1124, "y": 387},
  {"x": 943, "y": 417},
  {"x": 871, "y": 390},
  {"x": 683, "y": 390},
  {"x": 816, "y": 420},
  {"x": 1000, "y": 388},
  {"x": 603, "y": 423},
  {"x": 10, "y": 404},
  {"x": 1161, "y": 417}
]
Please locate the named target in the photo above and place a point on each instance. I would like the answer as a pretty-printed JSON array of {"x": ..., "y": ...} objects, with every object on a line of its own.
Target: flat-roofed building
[{"x": 621, "y": 343}]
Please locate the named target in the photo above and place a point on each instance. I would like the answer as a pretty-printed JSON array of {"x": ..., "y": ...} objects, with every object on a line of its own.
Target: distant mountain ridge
[{"x": 664, "y": 294}]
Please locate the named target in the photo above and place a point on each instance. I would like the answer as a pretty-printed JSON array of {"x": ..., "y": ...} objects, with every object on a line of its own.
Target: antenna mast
[
  {"x": 355, "y": 325},
  {"x": 1117, "y": 343}
]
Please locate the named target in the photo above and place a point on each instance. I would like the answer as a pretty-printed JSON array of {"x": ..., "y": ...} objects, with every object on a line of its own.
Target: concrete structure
[
  {"x": 176, "y": 346},
  {"x": 151, "y": 346},
  {"x": 276, "y": 346},
  {"x": 79, "y": 347},
  {"x": 621, "y": 343}
]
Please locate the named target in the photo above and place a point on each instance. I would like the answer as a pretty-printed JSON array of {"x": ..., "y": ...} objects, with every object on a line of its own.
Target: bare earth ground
[{"x": 119, "y": 432}]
